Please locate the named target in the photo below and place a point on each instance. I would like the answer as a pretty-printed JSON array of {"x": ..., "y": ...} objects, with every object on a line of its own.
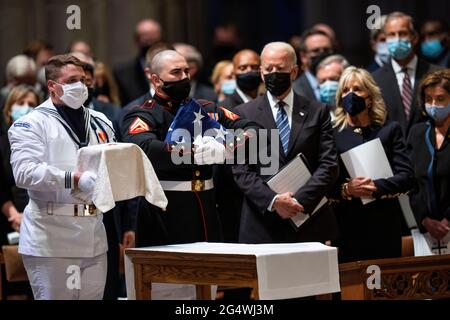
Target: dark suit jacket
[
  {"x": 312, "y": 135},
  {"x": 204, "y": 92},
  {"x": 421, "y": 159},
  {"x": 131, "y": 80},
  {"x": 231, "y": 101},
  {"x": 387, "y": 81},
  {"x": 373, "y": 66},
  {"x": 109, "y": 110},
  {"x": 302, "y": 87}
]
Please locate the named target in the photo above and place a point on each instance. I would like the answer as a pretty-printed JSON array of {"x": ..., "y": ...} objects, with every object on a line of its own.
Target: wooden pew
[{"x": 406, "y": 278}]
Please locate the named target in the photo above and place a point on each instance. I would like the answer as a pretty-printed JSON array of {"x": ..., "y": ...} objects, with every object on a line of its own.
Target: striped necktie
[
  {"x": 406, "y": 93},
  {"x": 283, "y": 126}
]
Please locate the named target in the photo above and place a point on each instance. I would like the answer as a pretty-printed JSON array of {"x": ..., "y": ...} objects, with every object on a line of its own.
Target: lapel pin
[{"x": 302, "y": 114}]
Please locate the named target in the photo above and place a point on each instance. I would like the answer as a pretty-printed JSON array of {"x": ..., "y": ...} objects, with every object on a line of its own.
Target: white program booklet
[
  {"x": 291, "y": 178},
  {"x": 367, "y": 160},
  {"x": 426, "y": 245},
  {"x": 370, "y": 160}
]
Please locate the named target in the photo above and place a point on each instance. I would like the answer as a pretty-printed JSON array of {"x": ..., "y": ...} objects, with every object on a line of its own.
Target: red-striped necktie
[{"x": 406, "y": 93}]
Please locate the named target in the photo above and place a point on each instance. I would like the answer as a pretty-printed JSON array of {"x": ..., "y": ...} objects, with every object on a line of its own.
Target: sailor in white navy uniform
[{"x": 62, "y": 238}]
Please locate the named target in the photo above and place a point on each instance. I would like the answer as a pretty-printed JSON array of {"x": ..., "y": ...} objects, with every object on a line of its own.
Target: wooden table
[
  {"x": 401, "y": 278},
  {"x": 201, "y": 269}
]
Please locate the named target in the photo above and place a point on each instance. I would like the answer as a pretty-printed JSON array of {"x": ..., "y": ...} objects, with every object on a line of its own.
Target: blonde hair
[
  {"x": 218, "y": 69},
  {"x": 377, "y": 108},
  {"x": 15, "y": 95},
  {"x": 102, "y": 71}
]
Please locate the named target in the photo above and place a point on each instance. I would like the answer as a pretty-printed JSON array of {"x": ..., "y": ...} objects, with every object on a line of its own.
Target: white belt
[
  {"x": 194, "y": 185},
  {"x": 61, "y": 209}
]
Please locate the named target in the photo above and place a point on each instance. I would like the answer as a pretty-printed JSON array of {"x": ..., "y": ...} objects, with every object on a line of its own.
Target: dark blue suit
[
  {"x": 312, "y": 135},
  {"x": 387, "y": 81}
]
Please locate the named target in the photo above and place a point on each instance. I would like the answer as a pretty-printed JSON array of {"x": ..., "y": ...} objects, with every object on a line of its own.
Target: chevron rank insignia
[{"x": 138, "y": 126}]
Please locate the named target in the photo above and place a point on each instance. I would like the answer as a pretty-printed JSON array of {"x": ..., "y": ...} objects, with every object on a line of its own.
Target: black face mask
[
  {"x": 248, "y": 81},
  {"x": 102, "y": 91},
  {"x": 90, "y": 96},
  {"x": 318, "y": 59},
  {"x": 277, "y": 83},
  {"x": 177, "y": 90},
  {"x": 353, "y": 104}
]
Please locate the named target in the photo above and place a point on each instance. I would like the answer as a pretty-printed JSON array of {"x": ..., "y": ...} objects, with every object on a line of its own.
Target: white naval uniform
[{"x": 43, "y": 159}]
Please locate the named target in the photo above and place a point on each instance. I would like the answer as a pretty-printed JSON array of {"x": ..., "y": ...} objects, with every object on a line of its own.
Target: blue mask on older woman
[
  {"x": 228, "y": 86},
  {"x": 437, "y": 113},
  {"x": 353, "y": 104},
  {"x": 18, "y": 111}
]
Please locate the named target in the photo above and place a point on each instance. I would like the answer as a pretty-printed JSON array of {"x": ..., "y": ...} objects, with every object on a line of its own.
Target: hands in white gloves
[
  {"x": 208, "y": 151},
  {"x": 86, "y": 184},
  {"x": 87, "y": 181}
]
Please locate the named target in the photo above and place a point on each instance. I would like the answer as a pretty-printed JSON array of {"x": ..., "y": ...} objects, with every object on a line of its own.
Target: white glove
[
  {"x": 209, "y": 151},
  {"x": 87, "y": 182}
]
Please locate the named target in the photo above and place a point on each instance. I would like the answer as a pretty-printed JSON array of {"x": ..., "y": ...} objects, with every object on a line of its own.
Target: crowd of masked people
[{"x": 305, "y": 88}]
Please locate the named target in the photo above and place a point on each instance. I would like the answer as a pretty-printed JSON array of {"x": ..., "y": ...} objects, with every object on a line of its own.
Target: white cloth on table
[
  {"x": 123, "y": 172},
  {"x": 288, "y": 270}
]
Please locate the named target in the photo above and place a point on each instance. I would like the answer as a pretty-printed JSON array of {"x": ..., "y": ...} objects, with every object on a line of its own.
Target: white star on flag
[
  {"x": 220, "y": 133},
  {"x": 198, "y": 117}
]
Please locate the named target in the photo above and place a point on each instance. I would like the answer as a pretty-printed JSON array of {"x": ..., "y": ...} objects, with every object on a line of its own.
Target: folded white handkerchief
[{"x": 123, "y": 172}]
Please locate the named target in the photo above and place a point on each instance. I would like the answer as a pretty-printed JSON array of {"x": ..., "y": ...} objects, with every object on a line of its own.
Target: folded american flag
[{"x": 192, "y": 122}]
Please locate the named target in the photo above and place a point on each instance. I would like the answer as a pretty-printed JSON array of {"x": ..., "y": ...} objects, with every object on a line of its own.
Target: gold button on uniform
[{"x": 197, "y": 173}]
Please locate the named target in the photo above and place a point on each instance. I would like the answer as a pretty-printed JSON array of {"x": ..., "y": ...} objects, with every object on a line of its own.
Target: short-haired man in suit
[
  {"x": 400, "y": 78},
  {"x": 130, "y": 76},
  {"x": 435, "y": 46},
  {"x": 246, "y": 65},
  {"x": 304, "y": 127},
  {"x": 316, "y": 46}
]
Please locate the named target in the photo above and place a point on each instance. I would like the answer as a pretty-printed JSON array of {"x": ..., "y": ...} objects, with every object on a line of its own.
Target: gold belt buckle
[
  {"x": 89, "y": 210},
  {"x": 198, "y": 185}
]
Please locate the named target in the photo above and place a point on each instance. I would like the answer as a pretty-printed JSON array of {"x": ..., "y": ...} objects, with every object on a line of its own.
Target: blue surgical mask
[
  {"x": 437, "y": 113},
  {"x": 383, "y": 52},
  {"x": 399, "y": 48},
  {"x": 328, "y": 92},
  {"x": 18, "y": 111},
  {"x": 432, "y": 49},
  {"x": 228, "y": 86}
]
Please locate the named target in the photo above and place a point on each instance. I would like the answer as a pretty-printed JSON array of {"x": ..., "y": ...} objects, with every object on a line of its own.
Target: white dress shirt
[
  {"x": 412, "y": 67},
  {"x": 288, "y": 105},
  {"x": 243, "y": 96}
]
